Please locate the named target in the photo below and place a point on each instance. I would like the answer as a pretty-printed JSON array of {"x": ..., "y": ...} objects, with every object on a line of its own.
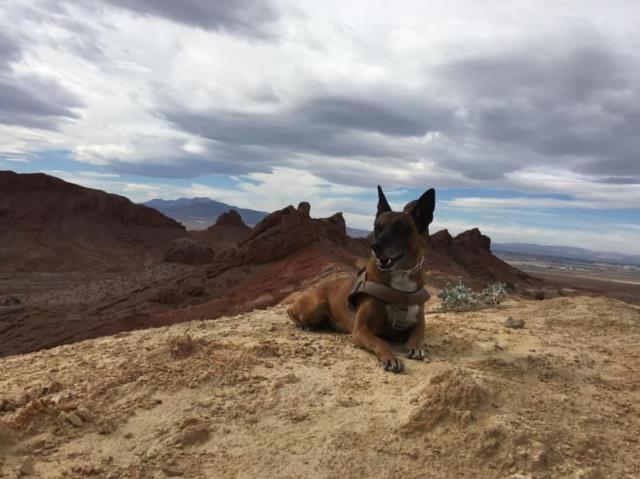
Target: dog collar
[
  {"x": 384, "y": 293},
  {"x": 416, "y": 268}
]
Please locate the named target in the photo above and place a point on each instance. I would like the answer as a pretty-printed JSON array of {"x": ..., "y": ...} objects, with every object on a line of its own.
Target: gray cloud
[
  {"x": 620, "y": 180},
  {"x": 251, "y": 18},
  {"x": 9, "y": 50},
  {"x": 575, "y": 105},
  {"x": 30, "y": 100},
  {"x": 35, "y": 102},
  {"x": 328, "y": 125},
  {"x": 389, "y": 116},
  {"x": 566, "y": 101}
]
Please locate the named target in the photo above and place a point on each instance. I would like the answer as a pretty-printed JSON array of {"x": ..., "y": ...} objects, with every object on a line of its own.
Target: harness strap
[{"x": 384, "y": 293}]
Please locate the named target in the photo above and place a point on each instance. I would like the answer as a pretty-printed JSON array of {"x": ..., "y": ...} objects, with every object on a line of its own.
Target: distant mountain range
[
  {"x": 200, "y": 213},
  {"x": 567, "y": 252}
]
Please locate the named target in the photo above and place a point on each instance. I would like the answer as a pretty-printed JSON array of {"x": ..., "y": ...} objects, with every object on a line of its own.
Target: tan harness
[{"x": 384, "y": 293}]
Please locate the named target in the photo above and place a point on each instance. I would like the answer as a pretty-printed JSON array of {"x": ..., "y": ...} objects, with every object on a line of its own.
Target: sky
[{"x": 523, "y": 115}]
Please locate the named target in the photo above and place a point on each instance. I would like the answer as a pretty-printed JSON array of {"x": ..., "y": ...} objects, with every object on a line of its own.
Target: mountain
[
  {"x": 47, "y": 224},
  {"x": 200, "y": 213},
  {"x": 568, "y": 252}
]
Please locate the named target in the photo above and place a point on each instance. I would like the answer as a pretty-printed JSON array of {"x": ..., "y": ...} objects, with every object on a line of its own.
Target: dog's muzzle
[{"x": 384, "y": 263}]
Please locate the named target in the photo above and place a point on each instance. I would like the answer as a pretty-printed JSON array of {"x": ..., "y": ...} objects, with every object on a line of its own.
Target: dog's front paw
[
  {"x": 394, "y": 365},
  {"x": 417, "y": 354}
]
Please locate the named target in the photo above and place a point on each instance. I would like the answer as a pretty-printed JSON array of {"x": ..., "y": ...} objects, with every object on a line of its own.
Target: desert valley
[{"x": 132, "y": 347}]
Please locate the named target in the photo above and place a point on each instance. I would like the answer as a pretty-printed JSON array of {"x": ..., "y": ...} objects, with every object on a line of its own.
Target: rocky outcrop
[
  {"x": 286, "y": 231},
  {"x": 187, "y": 251},
  {"x": 229, "y": 229},
  {"x": 473, "y": 241},
  {"x": 230, "y": 218},
  {"x": 468, "y": 256}
]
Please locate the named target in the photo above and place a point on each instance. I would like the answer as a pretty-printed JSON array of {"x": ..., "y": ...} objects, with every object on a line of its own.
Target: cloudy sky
[{"x": 524, "y": 115}]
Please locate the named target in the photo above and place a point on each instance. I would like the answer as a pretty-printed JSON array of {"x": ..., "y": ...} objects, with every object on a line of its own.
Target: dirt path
[{"x": 251, "y": 397}]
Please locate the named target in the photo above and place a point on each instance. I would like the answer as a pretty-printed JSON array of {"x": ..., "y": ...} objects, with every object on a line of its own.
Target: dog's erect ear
[
  {"x": 383, "y": 204},
  {"x": 422, "y": 210}
]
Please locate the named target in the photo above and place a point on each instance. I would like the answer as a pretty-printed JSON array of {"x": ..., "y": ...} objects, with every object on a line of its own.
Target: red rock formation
[
  {"x": 230, "y": 218},
  {"x": 469, "y": 257},
  {"x": 48, "y": 224},
  {"x": 227, "y": 232},
  {"x": 286, "y": 231}
]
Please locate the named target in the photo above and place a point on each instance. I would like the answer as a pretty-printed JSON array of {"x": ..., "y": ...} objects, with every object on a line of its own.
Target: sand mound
[
  {"x": 251, "y": 396},
  {"x": 453, "y": 394}
]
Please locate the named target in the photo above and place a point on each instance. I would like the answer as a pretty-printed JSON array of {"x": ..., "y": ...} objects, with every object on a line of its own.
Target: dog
[{"x": 386, "y": 302}]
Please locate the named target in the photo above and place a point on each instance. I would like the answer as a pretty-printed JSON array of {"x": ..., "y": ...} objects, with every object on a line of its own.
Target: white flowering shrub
[{"x": 462, "y": 298}]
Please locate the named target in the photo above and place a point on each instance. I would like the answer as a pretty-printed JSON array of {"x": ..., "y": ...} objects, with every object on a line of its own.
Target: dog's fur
[{"x": 399, "y": 244}]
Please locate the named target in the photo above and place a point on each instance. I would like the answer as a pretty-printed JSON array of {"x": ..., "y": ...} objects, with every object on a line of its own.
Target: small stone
[
  {"x": 106, "y": 426},
  {"x": 85, "y": 414},
  {"x": 514, "y": 323},
  {"x": 466, "y": 417},
  {"x": 74, "y": 419},
  {"x": 172, "y": 471},
  {"x": 53, "y": 388},
  {"x": 26, "y": 467},
  {"x": 194, "y": 435},
  {"x": 588, "y": 473}
]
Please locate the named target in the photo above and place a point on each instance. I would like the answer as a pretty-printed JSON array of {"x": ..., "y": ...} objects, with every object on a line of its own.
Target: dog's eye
[{"x": 377, "y": 228}]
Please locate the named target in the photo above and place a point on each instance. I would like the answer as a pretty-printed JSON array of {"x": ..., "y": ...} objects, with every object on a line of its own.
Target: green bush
[{"x": 462, "y": 298}]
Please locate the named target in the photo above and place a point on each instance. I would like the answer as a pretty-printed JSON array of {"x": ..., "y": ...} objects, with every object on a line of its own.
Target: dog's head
[{"x": 399, "y": 239}]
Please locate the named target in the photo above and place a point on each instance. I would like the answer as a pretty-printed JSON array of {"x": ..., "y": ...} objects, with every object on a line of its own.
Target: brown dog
[{"x": 393, "y": 273}]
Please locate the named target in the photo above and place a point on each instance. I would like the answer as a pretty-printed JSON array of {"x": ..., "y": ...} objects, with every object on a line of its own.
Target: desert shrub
[
  {"x": 458, "y": 297},
  {"x": 494, "y": 294},
  {"x": 462, "y": 298}
]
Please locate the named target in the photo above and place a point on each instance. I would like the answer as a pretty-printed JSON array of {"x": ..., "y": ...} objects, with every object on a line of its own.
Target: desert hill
[
  {"x": 47, "y": 224},
  {"x": 285, "y": 253},
  {"x": 250, "y": 396}
]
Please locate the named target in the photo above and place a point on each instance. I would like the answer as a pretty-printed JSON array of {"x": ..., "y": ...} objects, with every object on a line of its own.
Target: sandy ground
[{"x": 251, "y": 397}]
